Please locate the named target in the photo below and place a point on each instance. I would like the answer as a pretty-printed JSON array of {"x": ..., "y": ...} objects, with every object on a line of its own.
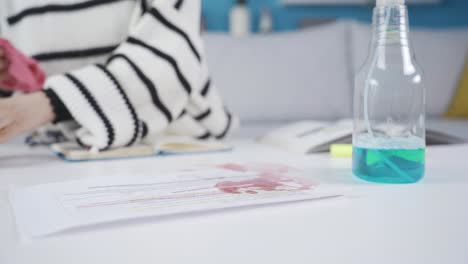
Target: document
[{"x": 51, "y": 208}]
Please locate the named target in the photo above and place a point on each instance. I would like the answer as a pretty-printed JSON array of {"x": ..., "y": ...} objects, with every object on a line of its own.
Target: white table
[{"x": 420, "y": 223}]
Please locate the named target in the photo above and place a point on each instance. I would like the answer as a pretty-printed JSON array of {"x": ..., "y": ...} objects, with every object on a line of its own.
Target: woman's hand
[
  {"x": 23, "y": 113},
  {"x": 3, "y": 65}
]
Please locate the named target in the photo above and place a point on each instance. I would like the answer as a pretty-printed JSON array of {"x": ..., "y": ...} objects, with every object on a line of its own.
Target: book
[
  {"x": 306, "y": 137},
  {"x": 169, "y": 145}
]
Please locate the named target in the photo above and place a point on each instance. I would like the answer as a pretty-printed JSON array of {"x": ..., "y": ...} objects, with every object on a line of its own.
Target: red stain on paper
[
  {"x": 271, "y": 177},
  {"x": 233, "y": 167}
]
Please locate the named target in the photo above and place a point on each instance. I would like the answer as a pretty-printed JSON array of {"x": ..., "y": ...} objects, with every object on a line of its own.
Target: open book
[
  {"x": 307, "y": 137},
  {"x": 168, "y": 145}
]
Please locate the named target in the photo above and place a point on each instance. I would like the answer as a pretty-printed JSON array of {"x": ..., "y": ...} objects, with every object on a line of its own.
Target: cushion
[
  {"x": 459, "y": 106},
  {"x": 440, "y": 53},
  {"x": 284, "y": 76}
]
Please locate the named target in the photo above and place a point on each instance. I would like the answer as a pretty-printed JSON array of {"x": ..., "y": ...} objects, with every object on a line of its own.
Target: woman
[{"x": 122, "y": 69}]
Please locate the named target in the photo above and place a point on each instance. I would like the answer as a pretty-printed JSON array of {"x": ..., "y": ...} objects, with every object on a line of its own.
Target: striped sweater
[{"x": 124, "y": 69}]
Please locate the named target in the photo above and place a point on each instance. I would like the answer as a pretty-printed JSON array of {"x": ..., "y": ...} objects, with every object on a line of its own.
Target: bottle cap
[{"x": 390, "y": 2}]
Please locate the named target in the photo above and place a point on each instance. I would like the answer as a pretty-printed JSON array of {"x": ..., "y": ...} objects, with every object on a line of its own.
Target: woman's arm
[
  {"x": 146, "y": 84},
  {"x": 155, "y": 81}
]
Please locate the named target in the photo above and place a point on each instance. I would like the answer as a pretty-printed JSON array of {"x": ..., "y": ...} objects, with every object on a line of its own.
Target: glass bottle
[{"x": 389, "y": 104}]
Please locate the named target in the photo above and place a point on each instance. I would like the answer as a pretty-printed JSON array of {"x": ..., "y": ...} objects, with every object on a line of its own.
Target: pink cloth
[{"x": 25, "y": 74}]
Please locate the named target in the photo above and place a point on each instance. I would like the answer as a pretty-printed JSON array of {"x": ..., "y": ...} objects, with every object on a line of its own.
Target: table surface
[{"x": 420, "y": 223}]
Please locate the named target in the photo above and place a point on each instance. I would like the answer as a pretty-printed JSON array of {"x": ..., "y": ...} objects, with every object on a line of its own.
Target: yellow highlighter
[{"x": 341, "y": 150}]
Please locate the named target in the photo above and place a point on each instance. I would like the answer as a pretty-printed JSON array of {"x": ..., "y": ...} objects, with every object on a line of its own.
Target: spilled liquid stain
[{"x": 271, "y": 177}]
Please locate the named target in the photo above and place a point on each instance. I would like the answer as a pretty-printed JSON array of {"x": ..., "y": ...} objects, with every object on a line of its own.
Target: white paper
[{"x": 46, "y": 209}]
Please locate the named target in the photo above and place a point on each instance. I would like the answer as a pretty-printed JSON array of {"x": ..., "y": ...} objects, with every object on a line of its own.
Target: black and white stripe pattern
[
  {"x": 110, "y": 135},
  {"x": 133, "y": 113},
  {"x": 203, "y": 115},
  {"x": 178, "y": 4},
  {"x": 100, "y": 94},
  {"x": 206, "y": 88},
  {"x": 74, "y": 54},
  {"x": 153, "y": 91},
  {"x": 61, "y": 30},
  {"x": 154, "y": 80},
  {"x": 163, "y": 20},
  {"x": 166, "y": 57},
  {"x": 57, "y": 8},
  {"x": 143, "y": 6}
]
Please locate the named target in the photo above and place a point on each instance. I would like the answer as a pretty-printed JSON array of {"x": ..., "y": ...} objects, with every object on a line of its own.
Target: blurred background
[
  {"x": 279, "y": 61},
  {"x": 424, "y": 13}
]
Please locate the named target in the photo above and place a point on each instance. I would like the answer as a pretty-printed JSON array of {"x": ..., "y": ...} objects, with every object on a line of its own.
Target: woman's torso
[{"x": 66, "y": 34}]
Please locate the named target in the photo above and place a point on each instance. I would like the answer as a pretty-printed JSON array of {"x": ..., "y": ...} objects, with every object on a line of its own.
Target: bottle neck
[
  {"x": 390, "y": 26},
  {"x": 391, "y": 46}
]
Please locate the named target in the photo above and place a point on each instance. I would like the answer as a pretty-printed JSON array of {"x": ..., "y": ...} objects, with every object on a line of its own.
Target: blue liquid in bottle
[{"x": 389, "y": 165}]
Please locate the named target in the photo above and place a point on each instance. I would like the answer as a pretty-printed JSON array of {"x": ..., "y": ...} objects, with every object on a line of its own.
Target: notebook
[{"x": 71, "y": 151}]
